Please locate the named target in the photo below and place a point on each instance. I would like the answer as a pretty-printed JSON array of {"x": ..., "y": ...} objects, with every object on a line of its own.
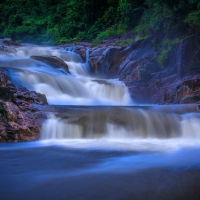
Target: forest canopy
[{"x": 54, "y": 22}]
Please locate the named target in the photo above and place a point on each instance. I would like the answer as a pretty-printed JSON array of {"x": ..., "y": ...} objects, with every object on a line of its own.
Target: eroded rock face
[{"x": 53, "y": 61}]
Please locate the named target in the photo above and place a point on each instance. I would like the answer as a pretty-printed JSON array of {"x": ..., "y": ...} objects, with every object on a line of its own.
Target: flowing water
[
  {"x": 97, "y": 144},
  {"x": 60, "y": 87}
]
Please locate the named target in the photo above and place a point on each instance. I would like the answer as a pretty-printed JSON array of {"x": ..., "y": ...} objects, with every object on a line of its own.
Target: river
[{"x": 99, "y": 144}]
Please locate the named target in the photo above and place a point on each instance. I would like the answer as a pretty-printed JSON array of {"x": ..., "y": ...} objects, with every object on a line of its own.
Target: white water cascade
[
  {"x": 60, "y": 87},
  {"x": 79, "y": 88},
  {"x": 124, "y": 123}
]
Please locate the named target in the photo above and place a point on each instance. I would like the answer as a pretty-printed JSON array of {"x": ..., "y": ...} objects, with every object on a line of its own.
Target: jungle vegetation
[{"x": 54, "y": 22}]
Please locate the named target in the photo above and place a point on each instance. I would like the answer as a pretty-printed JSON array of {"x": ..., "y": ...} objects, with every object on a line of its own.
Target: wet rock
[
  {"x": 9, "y": 42},
  {"x": 188, "y": 92},
  {"x": 182, "y": 92},
  {"x": 17, "y": 119},
  {"x": 190, "y": 99},
  {"x": 3, "y": 78},
  {"x": 26, "y": 97},
  {"x": 2, "y": 125},
  {"x": 40, "y": 115},
  {"x": 82, "y": 52},
  {"x": 3, "y": 134},
  {"x": 11, "y": 111},
  {"x": 26, "y": 118},
  {"x": 25, "y": 134},
  {"x": 12, "y": 126},
  {"x": 42, "y": 98},
  {"x": 6, "y": 94},
  {"x": 105, "y": 61},
  {"x": 2, "y": 139},
  {"x": 24, "y": 130},
  {"x": 53, "y": 61}
]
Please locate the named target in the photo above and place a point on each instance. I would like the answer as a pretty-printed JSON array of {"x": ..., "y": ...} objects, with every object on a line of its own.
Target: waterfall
[
  {"x": 60, "y": 87},
  {"x": 120, "y": 122},
  {"x": 80, "y": 88}
]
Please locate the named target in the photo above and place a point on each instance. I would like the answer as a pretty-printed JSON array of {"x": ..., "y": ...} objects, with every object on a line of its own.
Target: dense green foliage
[{"x": 52, "y": 21}]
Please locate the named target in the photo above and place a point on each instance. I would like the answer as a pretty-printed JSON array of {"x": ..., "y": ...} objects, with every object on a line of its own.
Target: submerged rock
[{"x": 53, "y": 61}]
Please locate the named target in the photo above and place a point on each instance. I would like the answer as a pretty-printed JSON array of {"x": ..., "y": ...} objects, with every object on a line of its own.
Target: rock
[
  {"x": 105, "y": 61},
  {"x": 9, "y": 42},
  {"x": 13, "y": 126},
  {"x": 53, "y": 61},
  {"x": 25, "y": 97},
  {"x": 6, "y": 94},
  {"x": 3, "y": 78},
  {"x": 18, "y": 121},
  {"x": 2, "y": 139},
  {"x": 190, "y": 99},
  {"x": 188, "y": 91},
  {"x": 82, "y": 52},
  {"x": 3, "y": 134},
  {"x": 26, "y": 119},
  {"x": 182, "y": 92},
  {"x": 42, "y": 98},
  {"x": 25, "y": 134},
  {"x": 11, "y": 111},
  {"x": 2, "y": 126},
  {"x": 24, "y": 130}
]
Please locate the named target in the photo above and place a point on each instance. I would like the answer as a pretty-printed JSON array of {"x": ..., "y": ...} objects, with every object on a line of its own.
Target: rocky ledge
[
  {"x": 19, "y": 119},
  {"x": 137, "y": 65}
]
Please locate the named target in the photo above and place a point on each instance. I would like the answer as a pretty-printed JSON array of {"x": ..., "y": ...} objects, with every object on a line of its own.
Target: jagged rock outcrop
[{"x": 19, "y": 120}]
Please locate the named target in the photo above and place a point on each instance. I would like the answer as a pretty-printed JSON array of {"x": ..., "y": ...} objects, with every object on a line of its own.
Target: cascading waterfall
[
  {"x": 79, "y": 88},
  {"x": 110, "y": 150},
  {"x": 120, "y": 122},
  {"x": 61, "y": 88}
]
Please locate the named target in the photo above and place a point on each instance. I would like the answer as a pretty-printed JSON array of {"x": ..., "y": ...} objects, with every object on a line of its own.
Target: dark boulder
[
  {"x": 188, "y": 92},
  {"x": 52, "y": 61},
  {"x": 26, "y": 97},
  {"x": 8, "y": 42},
  {"x": 105, "y": 61}
]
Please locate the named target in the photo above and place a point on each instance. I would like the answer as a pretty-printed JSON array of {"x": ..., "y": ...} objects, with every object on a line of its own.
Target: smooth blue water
[{"x": 100, "y": 169}]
